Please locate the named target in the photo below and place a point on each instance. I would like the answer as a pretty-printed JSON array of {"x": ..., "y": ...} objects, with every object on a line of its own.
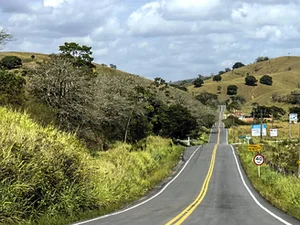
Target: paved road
[{"x": 224, "y": 199}]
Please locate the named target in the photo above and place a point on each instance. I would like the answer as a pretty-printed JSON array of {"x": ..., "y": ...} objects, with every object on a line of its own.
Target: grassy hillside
[
  {"x": 28, "y": 62},
  {"x": 49, "y": 177},
  {"x": 285, "y": 72}
]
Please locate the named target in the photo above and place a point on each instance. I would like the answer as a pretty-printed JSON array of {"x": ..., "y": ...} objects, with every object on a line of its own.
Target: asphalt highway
[{"x": 210, "y": 188}]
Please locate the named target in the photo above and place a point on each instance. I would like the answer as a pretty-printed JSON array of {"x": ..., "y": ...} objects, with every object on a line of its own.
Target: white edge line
[
  {"x": 251, "y": 194},
  {"x": 142, "y": 203}
]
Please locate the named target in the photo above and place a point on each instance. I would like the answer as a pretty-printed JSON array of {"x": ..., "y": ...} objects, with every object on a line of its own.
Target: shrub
[
  {"x": 12, "y": 88},
  {"x": 10, "y": 62},
  {"x": 217, "y": 78},
  {"x": 261, "y": 59},
  {"x": 232, "y": 89},
  {"x": 266, "y": 79},
  {"x": 198, "y": 82},
  {"x": 237, "y": 65},
  {"x": 48, "y": 175},
  {"x": 250, "y": 80}
]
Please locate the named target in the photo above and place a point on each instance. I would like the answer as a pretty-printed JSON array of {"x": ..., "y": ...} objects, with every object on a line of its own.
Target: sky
[{"x": 171, "y": 39}]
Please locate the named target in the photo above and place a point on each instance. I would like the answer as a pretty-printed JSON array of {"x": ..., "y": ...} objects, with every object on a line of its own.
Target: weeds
[{"x": 49, "y": 177}]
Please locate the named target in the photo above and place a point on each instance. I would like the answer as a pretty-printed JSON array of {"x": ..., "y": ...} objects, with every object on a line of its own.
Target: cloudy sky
[{"x": 172, "y": 39}]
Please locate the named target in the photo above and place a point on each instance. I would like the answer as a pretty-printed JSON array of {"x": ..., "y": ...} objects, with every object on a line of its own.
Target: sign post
[
  {"x": 258, "y": 130},
  {"x": 254, "y": 147},
  {"x": 258, "y": 160}
]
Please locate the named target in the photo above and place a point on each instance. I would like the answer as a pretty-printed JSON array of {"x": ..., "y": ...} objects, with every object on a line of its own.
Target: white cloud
[
  {"x": 53, "y": 3},
  {"x": 173, "y": 39}
]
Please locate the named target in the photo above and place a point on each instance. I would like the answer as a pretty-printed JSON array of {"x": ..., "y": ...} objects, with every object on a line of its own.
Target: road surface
[{"x": 209, "y": 189}]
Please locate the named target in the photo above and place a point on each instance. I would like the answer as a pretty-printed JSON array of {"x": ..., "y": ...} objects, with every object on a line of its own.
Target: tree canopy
[
  {"x": 266, "y": 79},
  {"x": 232, "y": 89},
  {"x": 237, "y": 65},
  {"x": 10, "y": 62},
  {"x": 217, "y": 78},
  {"x": 198, "y": 82},
  {"x": 250, "y": 80},
  {"x": 80, "y": 54}
]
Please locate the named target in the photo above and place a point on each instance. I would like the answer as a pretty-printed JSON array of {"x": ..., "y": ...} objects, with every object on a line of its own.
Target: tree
[
  {"x": 266, "y": 79},
  {"x": 60, "y": 85},
  {"x": 179, "y": 87},
  {"x": 198, "y": 82},
  {"x": 217, "y": 78},
  {"x": 238, "y": 99},
  {"x": 10, "y": 62},
  {"x": 261, "y": 59},
  {"x": 221, "y": 72},
  {"x": 12, "y": 88},
  {"x": 4, "y": 37},
  {"x": 250, "y": 80},
  {"x": 208, "y": 99},
  {"x": 227, "y": 69},
  {"x": 232, "y": 89},
  {"x": 177, "y": 122},
  {"x": 80, "y": 54},
  {"x": 113, "y": 66},
  {"x": 237, "y": 65}
]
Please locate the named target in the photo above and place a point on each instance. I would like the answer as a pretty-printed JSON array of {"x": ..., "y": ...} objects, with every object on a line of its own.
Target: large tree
[
  {"x": 57, "y": 83},
  {"x": 80, "y": 54}
]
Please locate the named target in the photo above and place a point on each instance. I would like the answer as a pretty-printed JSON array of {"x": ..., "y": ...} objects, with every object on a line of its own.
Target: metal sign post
[{"x": 258, "y": 160}]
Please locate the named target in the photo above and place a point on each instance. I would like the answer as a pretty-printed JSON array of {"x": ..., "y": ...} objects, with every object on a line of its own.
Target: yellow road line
[{"x": 181, "y": 217}]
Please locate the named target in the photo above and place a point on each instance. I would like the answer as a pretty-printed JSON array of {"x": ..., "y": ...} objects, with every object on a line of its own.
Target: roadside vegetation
[
  {"x": 49, "y": 177},
  {"x": 279, "y": 183},
  {"x": 79, "y": 139},
  {"x": 280, "y": 189}
]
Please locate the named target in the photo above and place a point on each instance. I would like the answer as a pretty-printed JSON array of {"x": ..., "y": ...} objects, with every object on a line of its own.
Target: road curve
[{"x": 212, "y": 189}]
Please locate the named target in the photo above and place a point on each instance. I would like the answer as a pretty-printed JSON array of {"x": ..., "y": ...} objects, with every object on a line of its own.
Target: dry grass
[
  {"x": 284, "y": 70},
  {"x": 282, "y": 128}
]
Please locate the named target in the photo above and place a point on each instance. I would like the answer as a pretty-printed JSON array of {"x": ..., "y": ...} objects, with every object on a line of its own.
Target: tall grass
[
  {"x": 281, "y": 191},
  {"x": 49, "y": 177}
]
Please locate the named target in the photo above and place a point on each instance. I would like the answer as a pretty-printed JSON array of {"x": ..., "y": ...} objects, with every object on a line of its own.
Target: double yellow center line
[{"x": 181, "y": 217}]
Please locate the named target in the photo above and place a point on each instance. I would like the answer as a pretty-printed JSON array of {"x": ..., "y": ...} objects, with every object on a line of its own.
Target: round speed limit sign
[{"x": 258, "y": 159}]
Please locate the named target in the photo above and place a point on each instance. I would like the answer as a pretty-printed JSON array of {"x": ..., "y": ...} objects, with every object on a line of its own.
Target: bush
[
  {"x": 261, "y": 59},
  {"x": 208, "y": 99},
  {"x": 237, "y": 65},
  {"x": 10, "y": 62},
  {"x": 12, "y": 88},
  {"x": 217, "y": 78},
  {"x": 233, "y": 121},
  {"x": 250, "y": 80},
  {"x": 266, "y": 79},
  {"x": 232, "y": 89},
  {"x": 198, "y": 82}
]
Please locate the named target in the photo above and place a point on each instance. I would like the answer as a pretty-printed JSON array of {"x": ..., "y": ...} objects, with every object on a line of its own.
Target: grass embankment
[
  {"x": 283, "y": 191},
  {"x": 49, "y": 177}
]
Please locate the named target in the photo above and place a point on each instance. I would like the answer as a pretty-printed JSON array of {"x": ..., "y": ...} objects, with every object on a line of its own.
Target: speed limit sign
[{"x": 258, "y": 159}]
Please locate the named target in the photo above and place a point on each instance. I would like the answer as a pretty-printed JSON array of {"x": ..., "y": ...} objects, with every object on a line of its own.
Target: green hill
[{"x": 285, "y": 72}]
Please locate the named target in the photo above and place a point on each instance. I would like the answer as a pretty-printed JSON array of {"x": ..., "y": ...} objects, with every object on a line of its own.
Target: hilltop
[
  {"x": 285, "y": 72},
  {"x": 28, "y": 62}
]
